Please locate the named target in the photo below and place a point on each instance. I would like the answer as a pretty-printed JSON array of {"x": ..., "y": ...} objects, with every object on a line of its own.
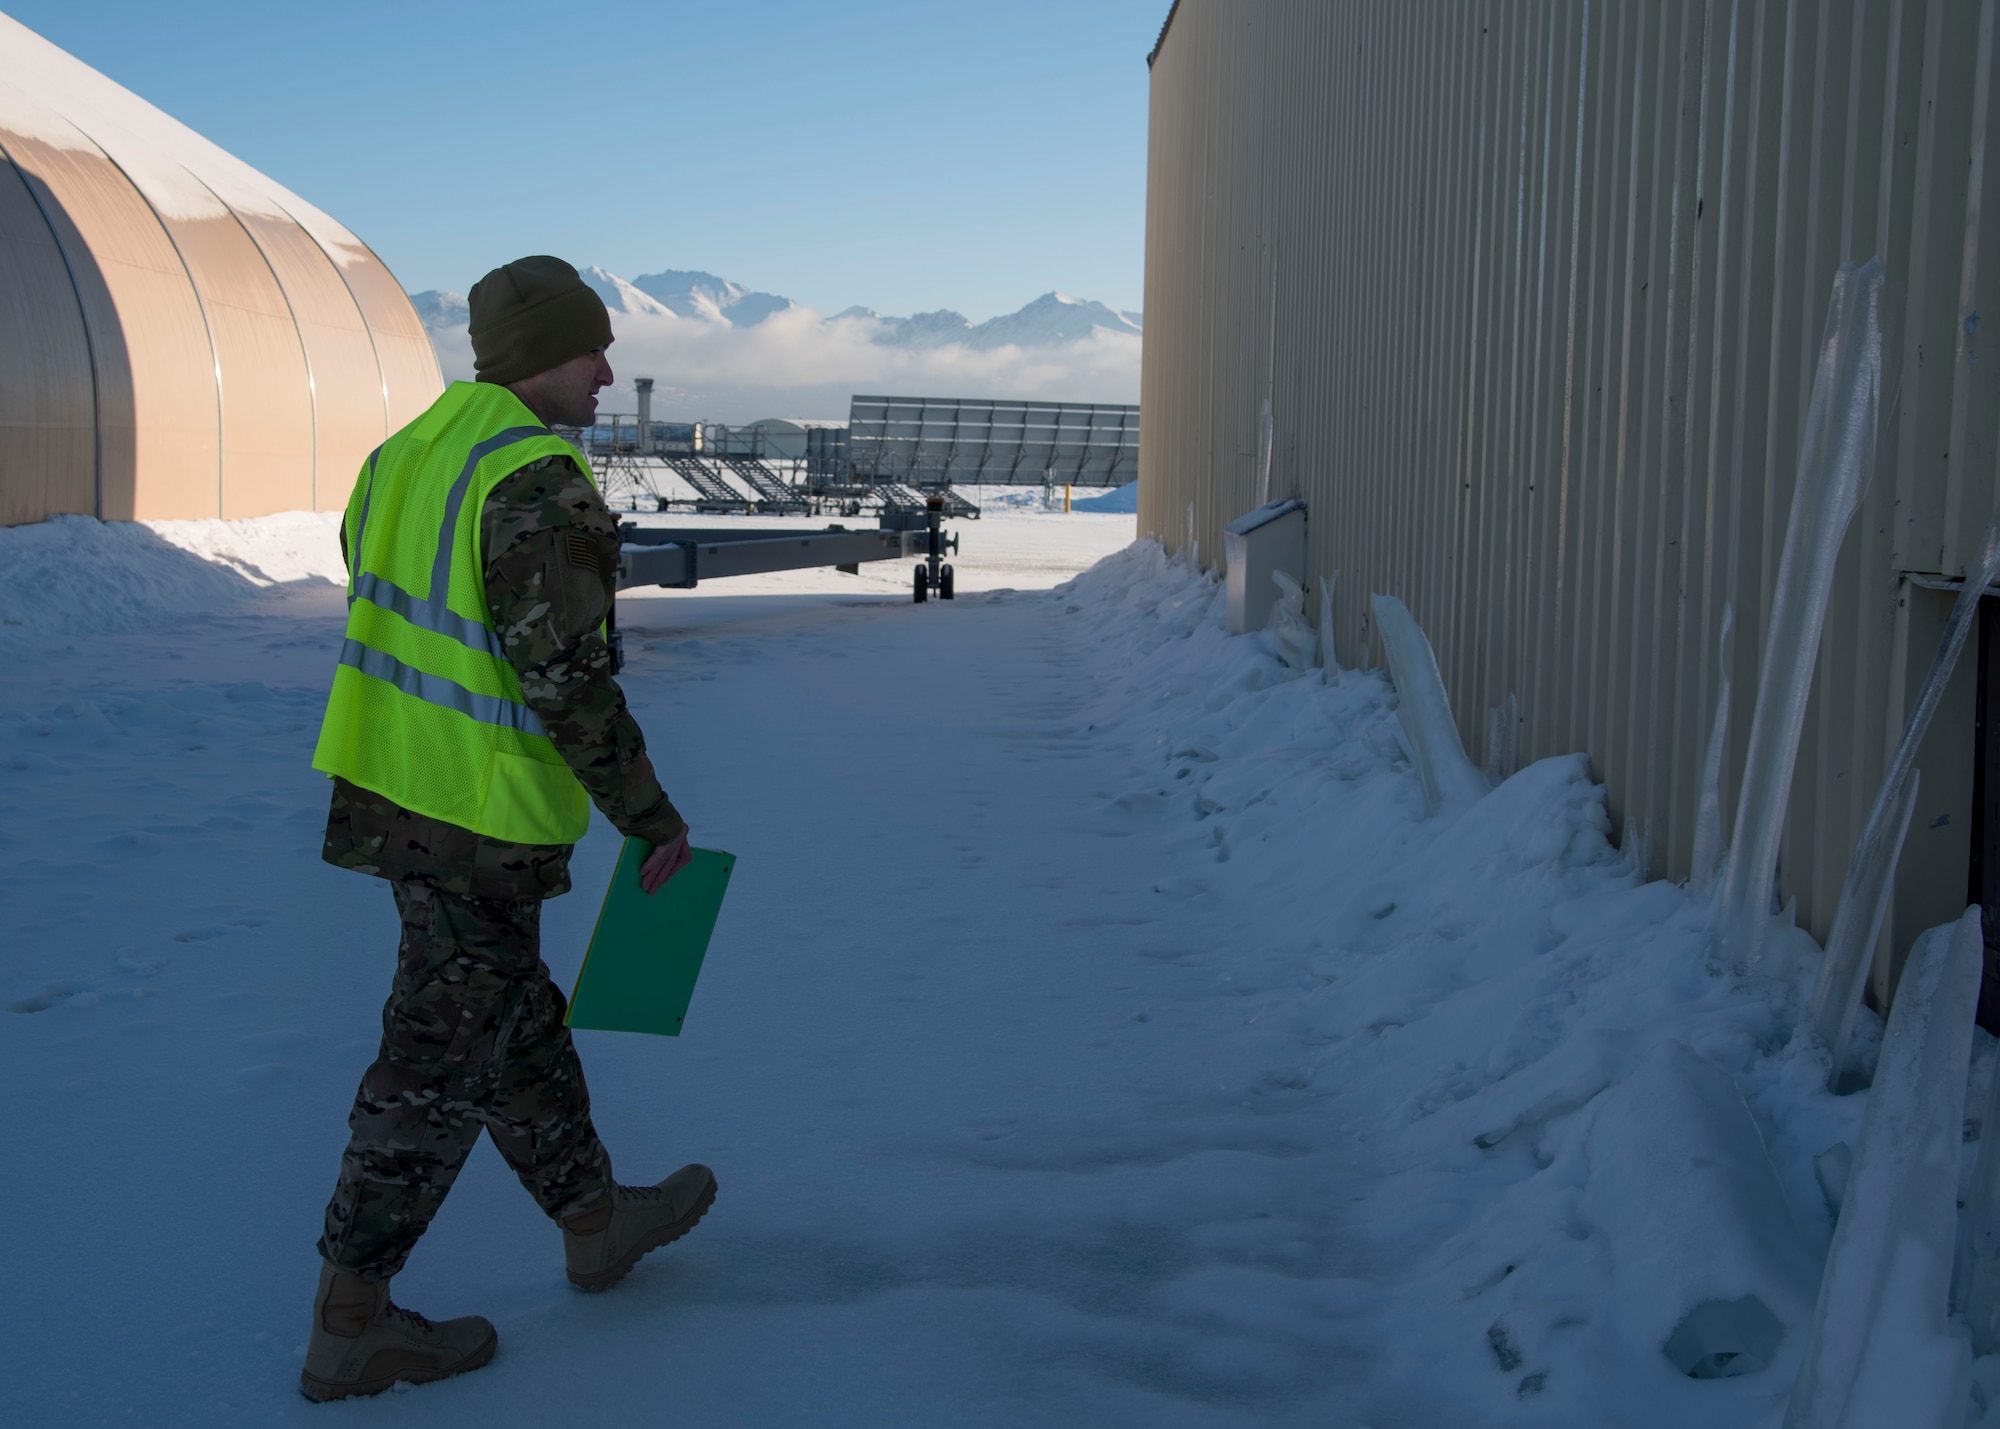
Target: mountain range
[{"x": 1052, "y": 320}]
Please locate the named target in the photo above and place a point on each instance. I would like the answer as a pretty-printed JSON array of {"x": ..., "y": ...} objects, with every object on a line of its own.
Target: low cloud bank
[{"x": 797, "y": 363}]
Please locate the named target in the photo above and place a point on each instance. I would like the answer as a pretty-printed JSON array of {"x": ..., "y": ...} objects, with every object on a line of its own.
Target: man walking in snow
[{"x": 473, "y": 719}]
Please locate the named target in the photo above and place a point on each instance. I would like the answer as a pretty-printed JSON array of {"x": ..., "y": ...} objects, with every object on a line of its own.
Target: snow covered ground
[{"x": 1097, "y": 1033}]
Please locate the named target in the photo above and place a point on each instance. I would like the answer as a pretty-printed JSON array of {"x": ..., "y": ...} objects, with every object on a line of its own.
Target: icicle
[
  {"x": 1328, "y": 662},
  {"x": 1708, "y": 805},
  {"x": 1510, "y": 736},
  {"x": 1291, "y": 638},
  {"x": 1513, "y": 744},
  {"x": 1450, "y": 779},
  {"x": 1633, "y": 846},
  {"x": 1871, "y": 869},
  {"x": 1264, "y": 434},
  {"x": 1503, "y": 739},
  {"x": 1881, "y": 1350},
  {"x": 1975, "y": 1286},
  {"x": 1857, "y": 922},
  {"x": 1837, "y": 444}
]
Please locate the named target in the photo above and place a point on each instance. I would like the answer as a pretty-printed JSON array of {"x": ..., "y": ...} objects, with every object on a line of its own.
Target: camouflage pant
[{"x": 472, "y": 1036}]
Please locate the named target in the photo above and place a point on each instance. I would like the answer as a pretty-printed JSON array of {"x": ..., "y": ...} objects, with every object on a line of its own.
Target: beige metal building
[
  {"x": 1535, "y": 292},
  {"x": 183, "y": 337}
]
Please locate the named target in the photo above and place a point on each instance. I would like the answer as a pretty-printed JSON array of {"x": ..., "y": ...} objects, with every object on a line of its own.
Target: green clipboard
[{"x": 645, "y": 953}]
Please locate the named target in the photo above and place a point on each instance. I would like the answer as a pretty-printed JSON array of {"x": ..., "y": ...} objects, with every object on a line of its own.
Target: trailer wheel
[
  {"x": 944, "y": 584},
  {"x": 922, "y": 584}
]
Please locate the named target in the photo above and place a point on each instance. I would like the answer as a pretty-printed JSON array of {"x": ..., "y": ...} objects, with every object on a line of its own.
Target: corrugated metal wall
[{"x": 1536, "y": 292}]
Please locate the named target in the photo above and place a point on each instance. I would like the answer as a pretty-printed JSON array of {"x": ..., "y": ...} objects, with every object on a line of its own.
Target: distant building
[
  {"x": 183, "y": 336},
  {"x": 783, "y": 437}
]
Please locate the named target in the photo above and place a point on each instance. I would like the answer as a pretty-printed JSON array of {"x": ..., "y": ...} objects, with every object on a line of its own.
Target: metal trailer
[{"x": 679, "y": 557}]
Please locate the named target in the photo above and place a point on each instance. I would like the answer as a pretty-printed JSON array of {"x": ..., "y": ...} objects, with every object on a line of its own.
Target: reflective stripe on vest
[
  {"x": 439, "y": 690},
  {"x": 426, "y": 707},
  {"x": 433, "y": 614}
]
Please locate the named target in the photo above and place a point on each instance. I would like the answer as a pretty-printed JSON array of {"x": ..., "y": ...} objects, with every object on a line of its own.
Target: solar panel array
[{"x": 931, "y": 440}]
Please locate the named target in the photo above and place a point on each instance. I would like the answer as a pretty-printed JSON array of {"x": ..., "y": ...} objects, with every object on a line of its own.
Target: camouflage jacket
[{"x": 551, "y": 550}]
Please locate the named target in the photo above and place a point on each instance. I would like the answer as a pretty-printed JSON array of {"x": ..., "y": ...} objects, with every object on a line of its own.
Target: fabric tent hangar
[{"x": 187, "y": 338}]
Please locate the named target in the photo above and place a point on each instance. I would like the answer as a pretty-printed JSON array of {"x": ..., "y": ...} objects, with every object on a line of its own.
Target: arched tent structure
[{"x": 184, "y": 337}]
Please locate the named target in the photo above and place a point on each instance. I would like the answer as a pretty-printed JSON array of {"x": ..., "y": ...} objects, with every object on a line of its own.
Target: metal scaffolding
[{"x": 894, "y": 453}]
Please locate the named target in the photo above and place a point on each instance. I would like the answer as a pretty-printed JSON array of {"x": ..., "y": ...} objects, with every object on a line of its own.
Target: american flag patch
[{"x": 583, "y": 553}]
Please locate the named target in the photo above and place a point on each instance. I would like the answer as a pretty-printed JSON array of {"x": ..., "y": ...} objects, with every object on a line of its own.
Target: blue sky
[{"x": 902, "y": 156}]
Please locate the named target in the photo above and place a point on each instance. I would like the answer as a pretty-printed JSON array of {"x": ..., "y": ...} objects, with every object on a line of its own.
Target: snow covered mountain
[
  {"x": 1049, "y": 321},
  {"x": 440, "y": 309},
  {"x": 691, "y": 294},
  {"x": 723, "y": 352},
  {"x": 938, "y": 329},
  {"x": 1052, "y": 320},
  {"x": 623, "y": 297}
]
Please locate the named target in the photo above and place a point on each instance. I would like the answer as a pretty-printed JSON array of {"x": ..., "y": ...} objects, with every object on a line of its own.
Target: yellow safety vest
[{"x": 426, "y": 707}]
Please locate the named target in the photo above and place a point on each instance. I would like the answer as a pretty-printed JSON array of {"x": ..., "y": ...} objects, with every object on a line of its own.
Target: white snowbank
[
  {"x": 270, "y": 550},
  {"x": 1119, "y": 498},
  {"x": 1521, "y": 1037},
  {"x": 1142, "y": 1055},
  {"x": 72, "y": 575}
]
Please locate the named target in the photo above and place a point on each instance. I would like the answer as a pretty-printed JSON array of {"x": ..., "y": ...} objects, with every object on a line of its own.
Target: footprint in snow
[
  {"x": 266, "y": 1074},
  {"x": 243, "y": 922},
  {"x": 57, "y": 994}
]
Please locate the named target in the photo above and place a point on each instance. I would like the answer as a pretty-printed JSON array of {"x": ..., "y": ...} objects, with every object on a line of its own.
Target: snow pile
[
  {"x": 996, "y": 497},
  {"x": 1569, "y": 1135},
  {"x": 1119, "y": 498},
  {"x": 73, "y": 575},
  {"x": 1215, "y": 1084},
  {"x": 269, "y": 550},
  {"x": 1117, "y": 501}
]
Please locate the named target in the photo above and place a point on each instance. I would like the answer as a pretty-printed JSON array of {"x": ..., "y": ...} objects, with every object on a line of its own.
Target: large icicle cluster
[
  {"x": 1881, "y": 1351},
  {"x": 1864, "y": 895},
  {"x": 1451, "y": 780},
  {"x": 1707, "y": 861},
  {"x": 1882, "y": 1348},
  {"x": 1838, "y": 442}
]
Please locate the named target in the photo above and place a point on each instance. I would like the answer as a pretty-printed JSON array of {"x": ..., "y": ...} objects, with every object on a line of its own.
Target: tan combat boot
[
  {"x": 604, "y": 1242},
  {"x": 362, "y": 1344}
]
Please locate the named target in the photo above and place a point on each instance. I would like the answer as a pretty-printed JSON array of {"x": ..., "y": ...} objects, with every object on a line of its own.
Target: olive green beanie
[{"x": 531, "y": 315}]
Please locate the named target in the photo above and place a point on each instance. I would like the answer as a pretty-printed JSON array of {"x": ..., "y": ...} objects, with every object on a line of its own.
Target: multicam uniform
[{"x": 472, "y": 1034}]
